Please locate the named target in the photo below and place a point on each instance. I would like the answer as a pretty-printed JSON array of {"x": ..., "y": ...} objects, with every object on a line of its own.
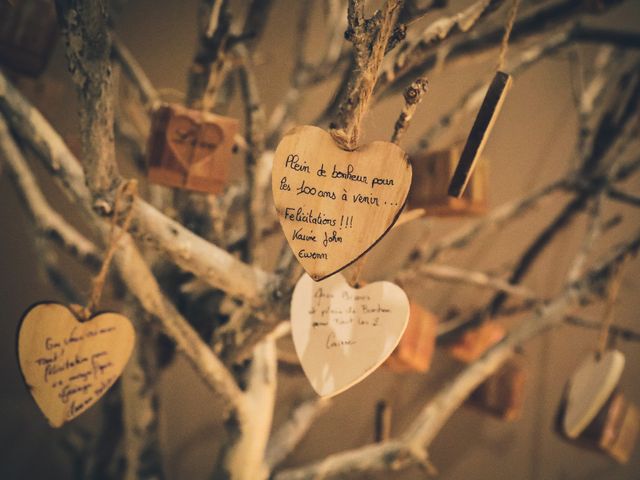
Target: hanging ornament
[
  {"x": 474, "y": 342},
  {"x": 27, "y": 35},
  {"x": 190, "y": 149},
  {"x": 594, "y": 413},
  {"x": 333, "y": 204},
  {"x": 67, "y": 364},
  {"x": 416, "y": 347},
  {"x": 503, "y": 393},
  {"x": 487, "y": 115},
  {"x": 431, "y": 174},
  {"x": 342, "y": 334},
  {"x": 70, "y": 356}
]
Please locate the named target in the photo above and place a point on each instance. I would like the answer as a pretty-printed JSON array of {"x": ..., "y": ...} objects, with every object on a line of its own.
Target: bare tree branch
[{"x": 88, "y": 53}]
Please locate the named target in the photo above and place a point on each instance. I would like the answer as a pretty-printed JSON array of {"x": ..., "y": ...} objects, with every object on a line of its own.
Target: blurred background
[{"x": 532, "y": 143}]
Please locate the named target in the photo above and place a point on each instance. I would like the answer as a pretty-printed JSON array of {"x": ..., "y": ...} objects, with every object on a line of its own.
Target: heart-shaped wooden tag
[
  {"x": 68, "y": 365},
  {"x": 334, "y": 205},
  {"x": 589, "y": 389},
  {"x": 342, "y": 334}
]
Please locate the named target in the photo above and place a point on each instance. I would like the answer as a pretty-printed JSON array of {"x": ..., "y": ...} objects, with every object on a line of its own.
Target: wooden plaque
[
  {"x": 27, "y": 35},
  {"x": 474, "y": 342},
  {"x": 342, "y": 334},
  {"x": 67, "y": 365},
  {"x": 334, "y": 205},
  {"x": 503, "y": 393},
  {"x": 416, "y": 347},
  {"x": 486, "y": 118},
  {"x": 190, "y": 149},
  {"x": 431, "y": 175}
]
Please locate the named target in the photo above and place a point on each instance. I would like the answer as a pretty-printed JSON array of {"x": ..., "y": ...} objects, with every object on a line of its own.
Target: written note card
[
  {"x": 334, "y": 205},
  {"x": 342, "y": 334},
  {"x": 68, "y": 365}
]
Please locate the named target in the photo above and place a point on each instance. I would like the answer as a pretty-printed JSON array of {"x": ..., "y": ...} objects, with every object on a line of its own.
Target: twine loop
[{"x": 122, "y": 214}]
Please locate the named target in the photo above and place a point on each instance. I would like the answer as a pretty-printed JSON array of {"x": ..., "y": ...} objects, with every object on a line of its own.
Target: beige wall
[{"x": 531, "y": 144}]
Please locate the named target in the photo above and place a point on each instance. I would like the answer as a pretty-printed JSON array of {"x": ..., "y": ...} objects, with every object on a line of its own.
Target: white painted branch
[
  {"x": 497, "y": 218},
  {"x": 245, "y": 459},
  {"x": 448, "y": 273},
  {"x": 437, "y": 31},
  {"x": 292, "y": 431}
]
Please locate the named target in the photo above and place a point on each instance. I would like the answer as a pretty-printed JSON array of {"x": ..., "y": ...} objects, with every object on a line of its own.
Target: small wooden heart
[
  {"x": 589, "y": 389},
  {"x": 334, "y": 205},
  {"x": 342, "y": 334},
  {"x": 68, "y": 365}
]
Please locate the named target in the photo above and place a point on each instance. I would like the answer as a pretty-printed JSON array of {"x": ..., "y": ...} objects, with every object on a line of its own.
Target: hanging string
[
  {"x": 347, "y": 137},
  {"x": 125, "y": 194},
  {"x": 357, "y": 268},
  {"x": 614, "y": 289},
  {"x": 511, "y": 18}
]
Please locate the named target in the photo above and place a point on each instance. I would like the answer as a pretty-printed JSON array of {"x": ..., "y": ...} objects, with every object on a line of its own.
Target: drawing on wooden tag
[
  {"x": 190, "y": 149},
  {"x": 342, "y": 334},
  {"x": 334, "y": 205},
  {"x": 68, "y": 365}
]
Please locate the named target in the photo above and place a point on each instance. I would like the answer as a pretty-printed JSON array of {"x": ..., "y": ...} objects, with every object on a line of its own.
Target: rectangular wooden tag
[{"x": 480, "y": 132}]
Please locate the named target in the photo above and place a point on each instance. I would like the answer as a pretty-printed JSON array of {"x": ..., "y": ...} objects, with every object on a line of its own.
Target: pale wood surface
[
  {"x": 342, "y": 334},
  {"x": 190, "y": 148},
  {"x": 68, "y": 365},
  {"x": 589, "y": 389},
  {"x": 352, "y": 223}
]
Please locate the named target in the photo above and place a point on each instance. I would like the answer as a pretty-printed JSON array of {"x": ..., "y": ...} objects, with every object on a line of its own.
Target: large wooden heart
[
  {"x": 342, "y": 334},
  {"x": 334, "y": 205},
  {"x": 68, "y": 365}
]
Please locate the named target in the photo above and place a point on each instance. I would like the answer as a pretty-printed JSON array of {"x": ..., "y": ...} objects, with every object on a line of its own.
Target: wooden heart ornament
[
  {"x": 68, "y": 365},
  {"x": 342, "y": 334},
  {"x": 334, "y": 205},
  {"x": 589, "y": 389}
]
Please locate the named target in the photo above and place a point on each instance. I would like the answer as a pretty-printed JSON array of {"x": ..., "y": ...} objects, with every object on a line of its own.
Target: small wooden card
[
  {"x": 342, "y": 334},
  {"x": 431, "y": 175},
  {"x": 27, "y": 35},
  {"x": 477, "y": 139},
  {"x": 334, "y": 205},
  {"x": 190, "y": 149},
  {"x": 68, "y": 365},
  {"x": 503, "y": 393},
  {"x": 416, "y": 347},
  {"x": 474, "y": 342}
]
